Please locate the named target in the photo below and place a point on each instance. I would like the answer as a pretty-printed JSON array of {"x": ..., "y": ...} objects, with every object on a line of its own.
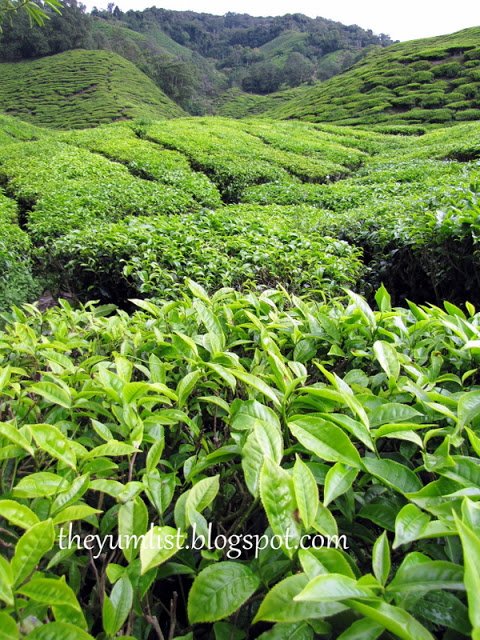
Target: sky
[{"x": 402, "y": 19}]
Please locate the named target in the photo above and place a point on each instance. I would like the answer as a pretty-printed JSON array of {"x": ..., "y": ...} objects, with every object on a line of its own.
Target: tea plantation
[
  {"x": 260, "y": 334},
  {"x": 430, "y": 81},
  {"x": 79, "y": 89}
]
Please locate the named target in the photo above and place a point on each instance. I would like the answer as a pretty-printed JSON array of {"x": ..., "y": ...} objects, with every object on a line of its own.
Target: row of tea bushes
[
  {"x": 67, "y": 187},
  {"x": 147, "y": 160},
  {"x": 17, "y": 282},
  {"x": 236, "y": 154},
  {"x": 238, "y": 246}
]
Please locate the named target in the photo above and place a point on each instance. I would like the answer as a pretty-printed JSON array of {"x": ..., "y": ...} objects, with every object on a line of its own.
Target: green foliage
[
  {"x": 134, "y": 208},
  {"x": 360, "y": 425},
  {"x": 17, "y": 282},
  {"x": 236, "y": 247},
  {"x": 77, "y": 89}
]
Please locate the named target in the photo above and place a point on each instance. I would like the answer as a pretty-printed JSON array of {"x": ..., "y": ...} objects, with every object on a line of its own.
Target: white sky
[{"x": 401, "y": 19}]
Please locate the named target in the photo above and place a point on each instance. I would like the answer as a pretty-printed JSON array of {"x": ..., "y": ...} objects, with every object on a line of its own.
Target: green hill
[
  {"x": 79, "y": 89},
  {"x": 195, "y": 57},
  {"x": 434, "y": 80}
]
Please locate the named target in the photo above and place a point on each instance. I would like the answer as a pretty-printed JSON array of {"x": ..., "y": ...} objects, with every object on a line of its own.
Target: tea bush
[
  {"x": 147, "y": 160},
  {"x": 83, "y": 187},
  {"x": 258, "y": 414},
  {"x": 78, "y": 88},
  {"x": 386, "y": 86},
  {"x": 17, "y": 282},
  {"x": 239, "y": 246},
  {"x": 236, "y": 155}
]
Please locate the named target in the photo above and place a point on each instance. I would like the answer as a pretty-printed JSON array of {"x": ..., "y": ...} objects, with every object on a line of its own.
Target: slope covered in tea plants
[
  {"x": 435, "y": 80},
  {"x": 242, "y": 202},
  {"x": 133, "y": 209},
  {"x": 79, "y": 89}
]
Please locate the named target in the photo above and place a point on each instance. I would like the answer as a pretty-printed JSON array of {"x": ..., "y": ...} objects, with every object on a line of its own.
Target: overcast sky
[{"x": 401, "y": 19}]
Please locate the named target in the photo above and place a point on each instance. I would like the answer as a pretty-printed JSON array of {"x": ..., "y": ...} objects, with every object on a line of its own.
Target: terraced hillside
[
  {"x": 79, "y": 89},
  {"x": 430, "y": 81}
]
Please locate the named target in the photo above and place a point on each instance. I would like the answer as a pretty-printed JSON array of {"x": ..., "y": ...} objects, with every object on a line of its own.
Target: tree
[
  {"x": 263, "y": 78},
  {"x": 297, "y": 69}
]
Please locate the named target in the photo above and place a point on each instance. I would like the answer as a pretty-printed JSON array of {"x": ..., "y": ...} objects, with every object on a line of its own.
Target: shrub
[{"x": 257, "y": 414}]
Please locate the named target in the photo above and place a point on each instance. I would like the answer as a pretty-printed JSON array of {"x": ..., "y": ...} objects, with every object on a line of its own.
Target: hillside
[
  {"x": 195, "y": 57},
  {"x": 434, "y": 80},
  {"x": 187, "y": 77},
  {"x": 79, "y": 89},
  {"x": 256, "y": 53}
]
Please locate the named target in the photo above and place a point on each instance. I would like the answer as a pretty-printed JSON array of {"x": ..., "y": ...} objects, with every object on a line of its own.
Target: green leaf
[
  {"x": 74, "y": 492},
  {"x": 265, "y": 440},
  {"x": 158, "y": 545},
  {"x": 364, "y": 629},
  {"x": 279, "y": 604},
  {"x": 116, "y": 608},
  {"x": 186, "y": 386},
  {"x": 278, "y": 498},
  {"x": 325, "y": 440},
  {"x": 197, "y": 290},
  {"x": 59, "y": 631},
  {"x": 18, "y": 514},
  {"x": 383, "y": 300},
  {"x": 6, "y": 582},
  {"x": 219, "y": 590},
  {"x": 333, "y": 587},
  {"x": 31, "y": 548},
  {"x": 393, "y": 474},
  {"x": 392, "y": 412},
  {"x": 468, "y": 408},
  {"x": 39, "y": 485},
  {"x": 132, "y": 523},
  {"x": 50, "y": 591},
  {"x": 387, "y": 358},
  {"x": 200, "y": 496},
  {"x": 53, "y": 393},
  {"x": 306, "y": 493},
  {"x": 246, "y": 414},
  {"x": 471, "y": 558},
  {"x": 8, "y": 627},
  {"x": 474, "y": 440},
  {"x": 75, "y": 512},
  {"x": 338, "y": 480},
  {"x": 291, "y": 631},
  {"x": 255, "y": 382},
  {"x": 325, "y": 523},
  {"x": 112, "y": 449},
  {"x": 50, "y": 439},
  {"x": 323, "y": 560},
  {"x": 443, "y": 609},
  {"x": 394, "y": 619},
  {"x": 428, "y": 576},
  {"x": 12, "y": 433},
  {"x": 410, "y": 523},
  {"x": 381, "y": 558}
]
